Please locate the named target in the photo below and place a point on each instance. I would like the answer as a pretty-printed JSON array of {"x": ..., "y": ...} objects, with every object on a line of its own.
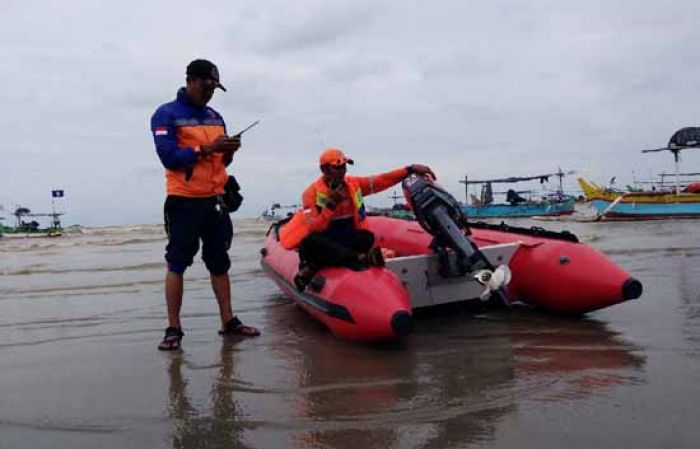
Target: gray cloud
[{"x": 486, "y": 88}]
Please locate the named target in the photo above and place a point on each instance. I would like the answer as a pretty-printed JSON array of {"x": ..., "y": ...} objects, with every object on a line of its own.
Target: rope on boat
[{"x": 534, "y": 231}]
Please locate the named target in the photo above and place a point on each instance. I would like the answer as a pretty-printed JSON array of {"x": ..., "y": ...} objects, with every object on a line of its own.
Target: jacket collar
[{"x": 182, "y": 97}]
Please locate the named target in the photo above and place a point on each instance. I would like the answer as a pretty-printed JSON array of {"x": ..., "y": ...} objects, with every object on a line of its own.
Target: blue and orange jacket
[{"x": 179, "y": 129}]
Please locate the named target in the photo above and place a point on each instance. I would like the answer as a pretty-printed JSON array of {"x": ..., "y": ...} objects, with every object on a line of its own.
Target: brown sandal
[{"x": 235, "y": 327}]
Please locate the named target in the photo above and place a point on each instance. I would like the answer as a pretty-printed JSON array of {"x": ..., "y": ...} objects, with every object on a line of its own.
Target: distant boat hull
[
  {"x": 28, "y": 235},
  {"x": 642, "y": 210},
  {"x": 550, "y": 208},
  {"x": 641, "y": 205}
]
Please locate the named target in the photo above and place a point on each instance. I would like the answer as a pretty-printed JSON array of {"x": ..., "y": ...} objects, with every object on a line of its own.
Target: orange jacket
[{"x": 314, "y": 216}]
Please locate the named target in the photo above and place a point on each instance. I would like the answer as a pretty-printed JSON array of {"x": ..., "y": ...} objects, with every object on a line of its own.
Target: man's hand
[
  {"x": 421, "y": 170},
  {"x": 222, "y": 144},
  {"x": 336, "y": 196}
]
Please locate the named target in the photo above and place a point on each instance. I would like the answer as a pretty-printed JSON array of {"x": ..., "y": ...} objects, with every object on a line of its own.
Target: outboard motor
[{"x": 441, "y": 216}]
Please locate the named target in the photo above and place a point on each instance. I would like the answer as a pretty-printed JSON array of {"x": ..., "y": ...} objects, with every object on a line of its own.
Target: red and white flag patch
[{"x": 161, "y": 131}]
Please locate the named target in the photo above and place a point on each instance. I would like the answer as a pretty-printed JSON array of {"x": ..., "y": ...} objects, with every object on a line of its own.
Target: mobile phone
[{"x": 238, "y": 134}]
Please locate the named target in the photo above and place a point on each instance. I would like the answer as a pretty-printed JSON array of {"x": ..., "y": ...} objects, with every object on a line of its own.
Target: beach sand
[{"x": 81, "y": 316}]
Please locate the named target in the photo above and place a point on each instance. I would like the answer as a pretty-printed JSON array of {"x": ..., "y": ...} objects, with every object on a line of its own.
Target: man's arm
[
  {"x": 318, "y": 220},
  {"x": 381, "y": 182},
  {"x": 171, "y": 155},
  {"x": 229, "y": 146},
  {"x": 378, "y": 183}
]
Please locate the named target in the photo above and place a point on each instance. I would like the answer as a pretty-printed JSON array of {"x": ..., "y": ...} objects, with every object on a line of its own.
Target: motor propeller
[{"x": 493, "y": 281}]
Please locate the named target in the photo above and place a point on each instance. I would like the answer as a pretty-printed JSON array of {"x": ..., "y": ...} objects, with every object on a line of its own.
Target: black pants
[
  {"x": 189, "y": 220},
  {"x": 322, "y": 249}
]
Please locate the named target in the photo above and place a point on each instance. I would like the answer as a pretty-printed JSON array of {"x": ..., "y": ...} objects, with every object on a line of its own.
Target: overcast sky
[{"x": 484, "y": 88}]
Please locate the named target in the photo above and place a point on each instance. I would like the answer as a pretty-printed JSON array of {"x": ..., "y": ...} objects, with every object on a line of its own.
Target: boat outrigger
[
  {"x": 441, "y": 258},
  {"x": 553, "y": 204},
  {"x": 682, "y": 201}
]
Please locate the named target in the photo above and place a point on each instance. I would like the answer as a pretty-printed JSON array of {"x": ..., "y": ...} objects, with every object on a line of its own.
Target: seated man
[{"x": 330, "y": 229}]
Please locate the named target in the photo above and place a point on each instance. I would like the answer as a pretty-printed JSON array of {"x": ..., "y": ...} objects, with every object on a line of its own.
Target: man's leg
[
  {"x": 221, "y": 285},
  {"x": 173, "y": 298},
  {"x": 361, "y": 241},
  {"x": 318, "y": 250},
  {"x": 183, "y": 243},
  {"x": 216, "y": 240},
  {"x": 230, "y": 324}
]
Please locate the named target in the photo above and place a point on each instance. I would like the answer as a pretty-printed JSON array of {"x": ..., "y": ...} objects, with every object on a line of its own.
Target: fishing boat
[
  {"x": 276, "y": 212},
  {"x": 27, "y": 225},
  {"x": 441, "y": 258},
  {"x": 682, "y": 200},
  {"x": 552, "y": 204}
]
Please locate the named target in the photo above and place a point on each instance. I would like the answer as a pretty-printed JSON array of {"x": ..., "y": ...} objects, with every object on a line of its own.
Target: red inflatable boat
[{"x": 549, "y": 270}]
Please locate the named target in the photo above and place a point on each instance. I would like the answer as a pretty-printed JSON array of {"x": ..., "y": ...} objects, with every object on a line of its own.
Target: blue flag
[{"x": 57, "y": 193}]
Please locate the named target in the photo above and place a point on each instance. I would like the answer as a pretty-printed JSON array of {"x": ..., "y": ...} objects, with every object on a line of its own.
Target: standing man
[{"x": 191, "y": 142}]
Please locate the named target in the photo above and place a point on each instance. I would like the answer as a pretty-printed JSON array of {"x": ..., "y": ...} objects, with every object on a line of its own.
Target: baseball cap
[
  {"x": 334, "y": 156},
  {"x": 201, "y": 68}
]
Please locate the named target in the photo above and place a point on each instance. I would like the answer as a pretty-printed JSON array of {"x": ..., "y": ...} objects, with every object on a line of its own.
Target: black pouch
[{"x": 232, "y": 197}]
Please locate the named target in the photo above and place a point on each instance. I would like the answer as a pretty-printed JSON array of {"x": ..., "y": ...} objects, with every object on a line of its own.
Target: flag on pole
[{"x": 57, "y": 193}]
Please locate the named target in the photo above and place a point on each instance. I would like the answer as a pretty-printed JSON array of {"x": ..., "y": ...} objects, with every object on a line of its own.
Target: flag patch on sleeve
[{"x": 161, "y": 131}]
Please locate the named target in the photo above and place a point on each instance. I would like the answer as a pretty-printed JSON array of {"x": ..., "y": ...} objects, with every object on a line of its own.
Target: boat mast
[
  {"x": 678, "y": 181},
  {"x": 560, "y": 174},
  {"x": 395, "y": 197},
  {"x": 54, "y": 223},
  {"x": 466, "y": 189}
]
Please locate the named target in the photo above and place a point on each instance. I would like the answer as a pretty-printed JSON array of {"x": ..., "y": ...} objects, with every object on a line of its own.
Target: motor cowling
[
  {"x": 440, "y": 215},
  {"x": 425, "y": 196}
]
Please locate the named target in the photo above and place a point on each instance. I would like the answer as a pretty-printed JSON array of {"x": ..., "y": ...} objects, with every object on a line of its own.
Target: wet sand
[{"x": 81, "y": 317}]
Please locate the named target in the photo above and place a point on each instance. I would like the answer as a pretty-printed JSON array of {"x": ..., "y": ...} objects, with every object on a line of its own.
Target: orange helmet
[{"x": 333, "y": 156}]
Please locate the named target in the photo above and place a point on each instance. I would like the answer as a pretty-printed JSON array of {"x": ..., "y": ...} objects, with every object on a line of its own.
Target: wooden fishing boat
[
  {"x": 553, "y": 204},
  {"x": 681, "y": 201}
]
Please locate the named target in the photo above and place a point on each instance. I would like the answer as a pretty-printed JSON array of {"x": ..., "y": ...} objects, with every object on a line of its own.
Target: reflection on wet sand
[
  {"x": 689, "y": 290},
  {"x": 450, "y": 385},
  {"x": 575, "y": 357},
  {"x": 218, "y": 427}
]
